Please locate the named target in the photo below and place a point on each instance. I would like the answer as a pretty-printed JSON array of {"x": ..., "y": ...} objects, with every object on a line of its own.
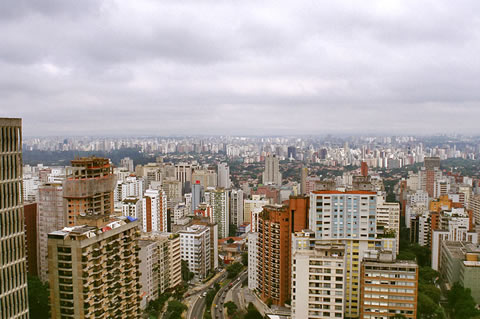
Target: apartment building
[
  {"x": 195, "y": 247},
  {"x": 318, "y": 277},
  {"x": 389, "y": 287},
  {"x": 94, "y": 271},
  {"x": 160, "y": 264},
  {"x": 273, "y": 254}
]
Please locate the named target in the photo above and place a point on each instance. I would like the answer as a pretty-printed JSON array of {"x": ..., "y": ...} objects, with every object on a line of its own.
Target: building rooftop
[{"x": 83, "y": 231}]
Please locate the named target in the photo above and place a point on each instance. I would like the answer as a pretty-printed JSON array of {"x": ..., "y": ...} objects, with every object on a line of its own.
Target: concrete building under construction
[{"x": 88, "y": 191}]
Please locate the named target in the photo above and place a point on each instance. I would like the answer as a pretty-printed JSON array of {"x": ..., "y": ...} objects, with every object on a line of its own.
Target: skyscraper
[
  {"x": 272, "y": 174},
  {"x": 154, "y": 211},
  {"x": 273, "y": 254},
  {"x": 218, "y": 199},
  {"x": 236, "y": 207},
  {"x": 349, "y": 218},
  {"x": 223, "y": 175},
  {"x": 13, "y": 260}
]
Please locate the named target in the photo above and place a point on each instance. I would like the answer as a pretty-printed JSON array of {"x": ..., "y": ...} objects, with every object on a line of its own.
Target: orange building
[
  {"x": 274, "y": 254},
  {"x": 298, "y": 207},
  {"x": 88, "y": 191},
  {"x": 364, "y": 169},
  {"x": 443, "y": 203}
]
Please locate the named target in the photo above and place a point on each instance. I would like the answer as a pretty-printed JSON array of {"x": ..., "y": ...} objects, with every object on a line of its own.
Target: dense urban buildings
[{"x": 13, "y": 260}]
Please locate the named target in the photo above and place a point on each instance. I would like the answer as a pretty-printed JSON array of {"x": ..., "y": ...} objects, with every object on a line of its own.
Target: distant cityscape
[{"x": 239, "y": 227}]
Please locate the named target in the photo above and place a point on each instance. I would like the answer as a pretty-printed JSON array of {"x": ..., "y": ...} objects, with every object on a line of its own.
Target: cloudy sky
[{"x": 71, "y": 67}]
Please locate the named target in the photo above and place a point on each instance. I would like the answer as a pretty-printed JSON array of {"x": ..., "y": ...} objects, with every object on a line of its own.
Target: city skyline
[{"x": 239, "y": 68}]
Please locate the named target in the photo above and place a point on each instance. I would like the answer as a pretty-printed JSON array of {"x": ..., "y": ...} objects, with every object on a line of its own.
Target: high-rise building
[
  {"x": 205, "y": 177},
  {"x": 349, "y": 217},
  {"x": 195, "y": 247},
  {"x": 197, "y": 195},
  {"x": 388, "y": 219},
  {"x": 173, "y": 190},
  {"x": 236, "y": 207},
  {"x": 303, "y": 180},
  {"x": 154, "y": 211},
  {"x": 249, "y": 205},
  {"x": 388, "y": 287},
  {"x": 94, "y": 272},
  {"x": 298, "y": 206},
  {"x": 272, "y": 174},
  {"x": 13, "y": 260},
  {"x": 31, "y": 227},
  {"x": 364, "y": 169},
  {"x": 252, "y": 242},
  {"x": 292, "y": 152},
  {"x": 273, "y": 254},
  {"x": 218, "y": 199},
  {"x": 223, "y": 174},
  {"x": 127, "y": 163},
  {"x": 51, "y": 217},
  {"x": 318, "y": 277},
  {"x": 88, "y": 191},
  {"x": 160, "y": 264}
]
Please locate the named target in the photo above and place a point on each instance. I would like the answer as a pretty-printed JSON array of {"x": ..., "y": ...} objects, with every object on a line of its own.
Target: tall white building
[
  {"x": 349, "y": 217},
  {"x": 127, "y": 162},
  {"x": 252, "y": 260},
  {"x": 154, "y": 211},
  {"x": 223, "y": 175},
  {"x": 132, "y": 206},
  {"x": 218, "y": 199},
  {"x": 388, "y": 219},
  {"x": 318, "y": 277},
  {"x": 236, "y": 207},
  {"x": 272, "y": 174},
  {"x": 195, "y": 247}
]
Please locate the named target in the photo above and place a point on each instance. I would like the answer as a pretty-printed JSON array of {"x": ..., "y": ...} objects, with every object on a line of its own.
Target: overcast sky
[{"x": 165, "y": 67}]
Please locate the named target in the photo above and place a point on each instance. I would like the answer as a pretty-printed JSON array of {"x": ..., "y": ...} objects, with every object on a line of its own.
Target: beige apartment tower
[
  {"x": 94, "y": 272},
  {"x": 13, "y": 261}
]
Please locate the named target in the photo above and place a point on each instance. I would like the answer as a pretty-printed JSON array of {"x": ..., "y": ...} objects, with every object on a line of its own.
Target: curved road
[
  {"x": 199, "y": 304},
  {"x": 219, "y": 299}
]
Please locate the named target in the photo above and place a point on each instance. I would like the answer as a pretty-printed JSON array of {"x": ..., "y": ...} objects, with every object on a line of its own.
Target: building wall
[
  {"x": 388, "y": 288},
  {"x": 31, "y": 238},
  {"x": 274, "y": 254},
  {"x": 13, "y": 260},
  {"x": 95, "y": 272}
]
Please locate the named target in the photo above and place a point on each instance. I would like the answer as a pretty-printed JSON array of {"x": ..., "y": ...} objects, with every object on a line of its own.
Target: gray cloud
[{"x": 228, "y": 67}]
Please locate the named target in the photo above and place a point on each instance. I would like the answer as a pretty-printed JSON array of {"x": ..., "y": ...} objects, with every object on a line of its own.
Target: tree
[
  {"x": 461, "y": 303},
  {"x": 233, "y": 270},
  {"x": 232, "y": 230},
  {"x": 427, "y": 308},
  {"x": 38, "y": 298},
  {"x": 187, "y": 275},
  {"x": 245, "y": 259},
  {"x": 175, "y": 309},
  {"x": 231, "y": 308},
  {"x": 252, "y": 312}
]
